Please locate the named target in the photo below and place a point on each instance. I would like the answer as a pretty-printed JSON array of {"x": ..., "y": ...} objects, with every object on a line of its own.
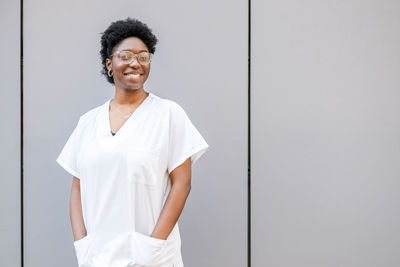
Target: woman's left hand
[{"x": 147, "y": 249}]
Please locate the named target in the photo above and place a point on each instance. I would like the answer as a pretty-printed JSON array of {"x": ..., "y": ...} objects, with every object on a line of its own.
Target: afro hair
[{"x": 120, "y": 30}]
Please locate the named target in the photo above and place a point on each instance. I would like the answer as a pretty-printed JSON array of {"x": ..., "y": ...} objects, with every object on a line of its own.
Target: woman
[{"x": 131, "y": 160}]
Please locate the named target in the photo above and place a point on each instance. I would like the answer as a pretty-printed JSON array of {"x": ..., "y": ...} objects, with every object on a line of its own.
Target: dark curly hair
[{"x": 120, "y": 30}]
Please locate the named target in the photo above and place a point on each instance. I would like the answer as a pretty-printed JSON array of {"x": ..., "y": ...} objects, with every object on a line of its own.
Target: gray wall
[
  {"x": 325, "y": 133},
  {"x": 324, "y": 125},
  {"x": 10, "y": 136}
]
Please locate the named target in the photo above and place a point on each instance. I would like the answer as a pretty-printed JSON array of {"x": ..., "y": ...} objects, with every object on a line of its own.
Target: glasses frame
[{"x": 135, "y": 56}]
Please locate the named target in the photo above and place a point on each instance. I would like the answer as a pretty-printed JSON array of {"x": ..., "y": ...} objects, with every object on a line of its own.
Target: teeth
[{"x": 133, "y": 75}]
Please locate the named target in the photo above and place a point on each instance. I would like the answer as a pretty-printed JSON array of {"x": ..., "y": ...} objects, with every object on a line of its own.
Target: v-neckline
[{"x": 131, "y": 117}]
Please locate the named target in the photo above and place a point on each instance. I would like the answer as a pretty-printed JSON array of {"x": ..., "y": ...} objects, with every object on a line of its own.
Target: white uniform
[{"x": 125, "y": 181}]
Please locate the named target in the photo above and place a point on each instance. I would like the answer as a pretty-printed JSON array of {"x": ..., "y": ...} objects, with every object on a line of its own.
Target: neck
[{"x": 129, "y": 97}]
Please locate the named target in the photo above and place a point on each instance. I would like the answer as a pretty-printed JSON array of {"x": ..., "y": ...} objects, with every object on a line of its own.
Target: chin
[
  {"x": 133, "y": 88},
  {"x": 128, "y": 86}
]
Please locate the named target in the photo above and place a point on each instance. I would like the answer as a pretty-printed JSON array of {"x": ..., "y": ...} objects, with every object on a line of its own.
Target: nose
[{"x": 134, "y": 62}]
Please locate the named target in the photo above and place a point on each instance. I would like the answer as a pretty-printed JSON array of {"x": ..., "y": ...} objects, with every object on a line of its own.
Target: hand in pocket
[
  {"x": 147, "y": 250},
  {"x": 81, "y": 250}
]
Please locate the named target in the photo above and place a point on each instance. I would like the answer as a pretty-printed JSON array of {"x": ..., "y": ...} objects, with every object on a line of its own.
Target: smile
[{"x": 133, "y": 75}]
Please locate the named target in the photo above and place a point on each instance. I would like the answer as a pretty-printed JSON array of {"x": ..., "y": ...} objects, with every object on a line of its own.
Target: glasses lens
[
  {"x": 125, "y": 56},
  {"x": 144, "y": 57}
]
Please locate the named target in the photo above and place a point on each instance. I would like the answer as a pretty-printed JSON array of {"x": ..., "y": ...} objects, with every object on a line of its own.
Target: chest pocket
[{"x": 143, "y": 166}]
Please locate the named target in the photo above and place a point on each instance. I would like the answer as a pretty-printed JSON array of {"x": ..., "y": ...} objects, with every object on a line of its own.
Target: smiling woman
[{"x": 134, "y": 155}]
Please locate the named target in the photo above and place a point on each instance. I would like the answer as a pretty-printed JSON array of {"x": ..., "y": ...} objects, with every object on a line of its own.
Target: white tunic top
[{"x": 125, "y": 181}]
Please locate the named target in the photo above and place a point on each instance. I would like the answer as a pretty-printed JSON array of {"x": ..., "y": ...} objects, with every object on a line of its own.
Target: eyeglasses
[{"x": 127, "y": 57}]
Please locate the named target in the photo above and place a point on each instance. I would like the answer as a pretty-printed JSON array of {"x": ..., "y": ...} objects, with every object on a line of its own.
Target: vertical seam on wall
[
  {"x": 248, "y": 139},
  {"x": 21, "y": 66}
]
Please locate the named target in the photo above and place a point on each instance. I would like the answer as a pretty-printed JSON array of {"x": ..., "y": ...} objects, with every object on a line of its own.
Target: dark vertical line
[
  {"x": 249, "y": 140},
  {"x": 21, "y": 127}
]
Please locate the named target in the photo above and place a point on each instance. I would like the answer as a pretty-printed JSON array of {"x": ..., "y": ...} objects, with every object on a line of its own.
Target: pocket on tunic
[
  {"x": 81, "y": 249},
  {"x": 149, "y": 250},
  {"x": 155, "y": 242},
  {"x": 142, "y": 166}
]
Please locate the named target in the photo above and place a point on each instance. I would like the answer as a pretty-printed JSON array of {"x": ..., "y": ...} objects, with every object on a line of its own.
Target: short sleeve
[
  {"x": 69, "y": 154},
  {"x": 184, "y": 139}
]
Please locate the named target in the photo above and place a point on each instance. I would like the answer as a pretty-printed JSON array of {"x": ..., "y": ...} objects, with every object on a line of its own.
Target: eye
[
  {"x": 144, "y": 57},
  {"x": 125, "y": 55}
]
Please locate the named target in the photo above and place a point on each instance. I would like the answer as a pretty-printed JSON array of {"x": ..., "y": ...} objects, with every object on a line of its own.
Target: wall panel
[
  {"x": 325, "y": 133},
  {"x": 10, "y": 135},
  {"x": 201, "y": 63}
]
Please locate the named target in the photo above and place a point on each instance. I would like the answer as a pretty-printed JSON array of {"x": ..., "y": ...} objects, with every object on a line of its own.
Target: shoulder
[
  {"x": 90, "y": 115},
  {"x": 168, "y": 105},
  {"x": 174, "y": 113}
]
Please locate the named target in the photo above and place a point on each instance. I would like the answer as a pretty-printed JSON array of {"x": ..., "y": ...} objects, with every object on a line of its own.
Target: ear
[{"x": 108, "y": 63}]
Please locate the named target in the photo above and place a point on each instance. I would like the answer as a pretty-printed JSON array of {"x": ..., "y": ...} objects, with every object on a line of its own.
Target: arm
[
  {"x": 181, "y": 184},
  {"x": 75, "y": 211}
]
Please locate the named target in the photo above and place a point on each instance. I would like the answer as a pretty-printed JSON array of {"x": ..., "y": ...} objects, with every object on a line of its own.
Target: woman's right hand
[
  {"x": 76, "y": 215},
  {"x": 82, "y": 247}
]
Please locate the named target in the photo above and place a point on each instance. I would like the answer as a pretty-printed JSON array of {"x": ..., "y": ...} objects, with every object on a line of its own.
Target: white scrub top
[{"x": 125, "y": 181}]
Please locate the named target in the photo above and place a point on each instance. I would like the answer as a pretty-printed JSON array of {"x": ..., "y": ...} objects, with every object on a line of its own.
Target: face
[{"x": 129, "y": 76}]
